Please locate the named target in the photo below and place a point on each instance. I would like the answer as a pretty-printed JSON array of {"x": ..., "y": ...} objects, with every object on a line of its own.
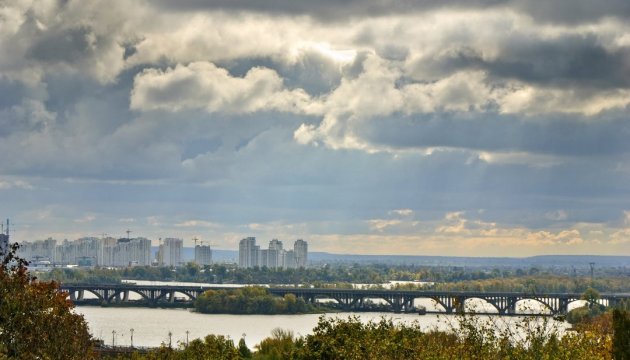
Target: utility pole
[{"x": 592, "y": 265}]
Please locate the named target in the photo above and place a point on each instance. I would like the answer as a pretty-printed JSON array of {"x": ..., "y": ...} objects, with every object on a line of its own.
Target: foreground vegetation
[
  {"x": 471, "y": 338},
  {"x": 36, "y": 319}
]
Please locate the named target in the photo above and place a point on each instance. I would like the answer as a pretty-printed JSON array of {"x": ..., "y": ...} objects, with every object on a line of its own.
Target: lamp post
[
  {"x": 187, "y": 332},
  {"x": 170, "y": 337},
  {"x": 113, "y": 338},
  {"x": 131, "y": 330}
]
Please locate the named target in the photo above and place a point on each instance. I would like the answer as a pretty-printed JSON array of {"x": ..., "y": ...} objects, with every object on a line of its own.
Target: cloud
[
  {"x": 202, "y": 85},
  {"x": 6, "y": 184},
  {"x": 560, "y": 60},
  {"x": 557, "y": 215},
  {"x": 563, "y": 11},
  {"x": 381, "y": 224},
  {"x": 401, "y": 212},
  {"x": 86, "y": 219},
  {"x": 196, "y": 224}
]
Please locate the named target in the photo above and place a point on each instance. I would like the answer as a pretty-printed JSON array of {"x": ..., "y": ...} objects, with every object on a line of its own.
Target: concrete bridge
[{"x": 349, "y": 299}]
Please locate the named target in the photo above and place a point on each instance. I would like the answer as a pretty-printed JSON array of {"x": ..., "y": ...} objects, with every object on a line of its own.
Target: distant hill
[
  {"x": 543, "y": 261},
  {"x": 547, "y": 261}
]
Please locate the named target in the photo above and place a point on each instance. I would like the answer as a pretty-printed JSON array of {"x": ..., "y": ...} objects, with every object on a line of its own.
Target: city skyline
[{"x": 484, "y": 128}]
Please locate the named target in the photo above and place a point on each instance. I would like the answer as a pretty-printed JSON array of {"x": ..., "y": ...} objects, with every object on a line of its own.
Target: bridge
[{"x": 348, "y": 299}]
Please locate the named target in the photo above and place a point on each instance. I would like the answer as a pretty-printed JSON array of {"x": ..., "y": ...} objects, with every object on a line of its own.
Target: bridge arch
[
  {"x": 116, "y": 294},
  {"x": 142, "y": 295},
  {"x": 480, "y": 302},
  {"x": 536, "y": 300},
  {"x": 435, "y": 302},
  {"x": 73, "y": 291},
  {"x": 576, "y": 303},
  {"x": 189, "y": 295}
]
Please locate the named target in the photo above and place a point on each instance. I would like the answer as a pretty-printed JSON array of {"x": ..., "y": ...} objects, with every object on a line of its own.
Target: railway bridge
[{"x": 349, "y": 299}]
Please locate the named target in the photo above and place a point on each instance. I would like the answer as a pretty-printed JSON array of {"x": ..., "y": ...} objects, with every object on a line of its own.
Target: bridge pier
[
  {"x": 563, "y": 306},
  {"x": 511, "y": 308}
]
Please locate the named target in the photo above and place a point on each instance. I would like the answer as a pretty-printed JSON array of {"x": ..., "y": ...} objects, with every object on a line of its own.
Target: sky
[{"x": 415, "y": 127}]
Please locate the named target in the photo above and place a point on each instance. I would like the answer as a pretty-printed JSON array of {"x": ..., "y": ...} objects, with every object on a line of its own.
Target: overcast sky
[{"x": 458, "y": 127}]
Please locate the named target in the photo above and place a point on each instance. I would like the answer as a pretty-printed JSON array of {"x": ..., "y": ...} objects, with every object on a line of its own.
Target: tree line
[{"x": 444, "y": 278}]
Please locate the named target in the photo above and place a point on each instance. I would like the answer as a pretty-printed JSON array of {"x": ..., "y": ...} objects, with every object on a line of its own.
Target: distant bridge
[{"x": 348, "y": 299}]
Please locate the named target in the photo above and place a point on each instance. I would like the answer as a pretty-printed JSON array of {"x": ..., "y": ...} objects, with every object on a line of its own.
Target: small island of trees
[{"x": 250, "y": 300}]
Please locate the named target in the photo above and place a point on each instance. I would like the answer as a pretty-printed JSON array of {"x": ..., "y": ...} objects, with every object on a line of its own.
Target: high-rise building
[
  {"x": 4, "y": 244},
  {"x": 40, "y": 250},
  {"x": 170, "y": 252},
  {"x": 263, "y": 258},
  {"x": 132, "y": 252},
  {"x": 203, "y": 254},
  {"x": 248, "y": 253},
  {"x": 109, "y": 244},
  {"x": 275, "y": 254},
  {"x": 4, "y": 241},
  {"x": 300, "y": 249},
  {"x": 89, "y": 251},
  {"x": 275, "y": 257},
  {"x": 289, "y": 260}
]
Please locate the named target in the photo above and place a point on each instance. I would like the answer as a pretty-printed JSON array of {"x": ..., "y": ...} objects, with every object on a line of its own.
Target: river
[{"x": 152, "y": 326}]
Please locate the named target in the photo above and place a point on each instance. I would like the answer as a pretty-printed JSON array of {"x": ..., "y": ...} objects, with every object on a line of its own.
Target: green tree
[
  {"x": 243, "y": 350},
  {"x": 591, "y": 295},
  {"x": 621, "y": 331}
]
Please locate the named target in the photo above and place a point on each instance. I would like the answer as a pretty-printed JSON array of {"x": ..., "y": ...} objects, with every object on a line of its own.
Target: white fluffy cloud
[{"x": 202, "y": 85}]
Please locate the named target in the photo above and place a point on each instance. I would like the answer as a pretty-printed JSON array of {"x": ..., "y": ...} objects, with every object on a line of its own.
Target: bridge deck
[{"x": 349, "y": 299}]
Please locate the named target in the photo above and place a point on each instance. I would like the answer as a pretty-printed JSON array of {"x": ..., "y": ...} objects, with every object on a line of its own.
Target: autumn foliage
[{"x": 36, "y": 319}]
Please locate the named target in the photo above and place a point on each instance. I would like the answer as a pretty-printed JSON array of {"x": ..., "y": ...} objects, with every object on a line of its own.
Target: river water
[{"x": 152, "y": 325}]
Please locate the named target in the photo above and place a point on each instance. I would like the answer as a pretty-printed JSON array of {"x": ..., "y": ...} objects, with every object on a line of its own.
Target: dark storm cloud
[
  {"x": 550, "y": 135},
  {"x": 567, "y": 61},
  {"x": 567, "y": 11}
]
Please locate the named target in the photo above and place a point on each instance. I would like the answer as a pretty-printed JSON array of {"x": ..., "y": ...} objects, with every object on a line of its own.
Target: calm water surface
[{"x": 151, "y": 326}]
